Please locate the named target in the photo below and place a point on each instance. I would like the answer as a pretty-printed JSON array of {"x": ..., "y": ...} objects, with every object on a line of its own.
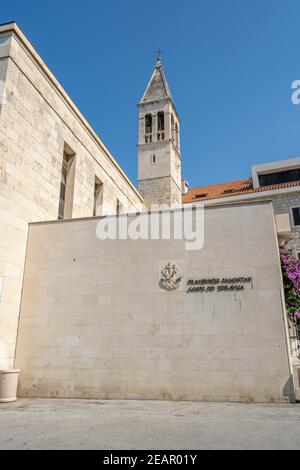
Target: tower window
[
  {"x": 148, "y": 124},
  {"x": 153, "y": 159},
  {"x": 176, "y": 135},
  {"x": 160, "y": 121},
  {"x": 172, "y": 127},
  {"x": 160, "y": 125},
  {"x": 148, "y": 128}
]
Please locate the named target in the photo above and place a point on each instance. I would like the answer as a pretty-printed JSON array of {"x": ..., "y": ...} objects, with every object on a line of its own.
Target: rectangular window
[
  {"x": 296, "y": 215},
  {"x": 98, "y": 197},
  {"x": 279, "y": 177},
  {"x": 118, "y": 207},
  {"x": 66, "y": 186}
]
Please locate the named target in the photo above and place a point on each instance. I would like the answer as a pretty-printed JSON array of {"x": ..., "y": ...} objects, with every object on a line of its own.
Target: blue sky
[{"x": 229, "y": 64}]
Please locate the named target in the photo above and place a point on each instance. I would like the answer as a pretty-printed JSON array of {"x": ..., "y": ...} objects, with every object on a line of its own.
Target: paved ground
[{"x": 98, "y": 424}]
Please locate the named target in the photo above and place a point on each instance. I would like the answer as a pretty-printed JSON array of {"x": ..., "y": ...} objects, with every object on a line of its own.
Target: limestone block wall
[
  {"x": 95, "y": 322},
  {"x": 37, "y": 121},
  {"x": 160, "y": 191},
  {"x": 283, "y": 203},
  {"x": 3, "y": 69},
  {"x": 161, "y": 167}
]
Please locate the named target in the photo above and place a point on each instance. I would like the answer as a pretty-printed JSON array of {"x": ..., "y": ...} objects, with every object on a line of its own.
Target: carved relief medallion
[{"x": 171, "y": 277}]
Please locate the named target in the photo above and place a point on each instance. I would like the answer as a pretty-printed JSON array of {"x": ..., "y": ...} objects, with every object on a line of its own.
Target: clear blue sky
[{"x": 229, "y": 64}]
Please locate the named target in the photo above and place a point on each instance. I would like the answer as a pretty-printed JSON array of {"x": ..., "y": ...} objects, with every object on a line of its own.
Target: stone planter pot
[{"x": 8, "y": 385}]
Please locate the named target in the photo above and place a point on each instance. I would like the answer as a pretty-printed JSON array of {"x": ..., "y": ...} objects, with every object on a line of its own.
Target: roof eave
[{"x": 247, "y": 196}]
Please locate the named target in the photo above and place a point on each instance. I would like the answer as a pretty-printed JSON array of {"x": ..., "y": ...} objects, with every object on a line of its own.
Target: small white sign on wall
[{"x": 1, "y": 285}]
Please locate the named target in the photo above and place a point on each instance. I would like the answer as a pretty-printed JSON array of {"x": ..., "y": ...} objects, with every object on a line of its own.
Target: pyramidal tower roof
[{"x": 157, "y": 88}]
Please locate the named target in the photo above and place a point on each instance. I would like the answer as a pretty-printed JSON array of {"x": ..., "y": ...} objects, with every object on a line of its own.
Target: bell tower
[{"x": 159, "y": 159}]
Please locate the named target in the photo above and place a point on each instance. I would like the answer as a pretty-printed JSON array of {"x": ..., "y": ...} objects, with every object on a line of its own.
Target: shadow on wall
[{"x": 288, "y": 389}]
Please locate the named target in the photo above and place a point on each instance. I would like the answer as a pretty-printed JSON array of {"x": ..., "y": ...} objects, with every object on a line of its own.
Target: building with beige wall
[
  {"x": 96, "y": 322},
  {"x": 90, "y": 317},
  {"x": 40, "y": 131}
]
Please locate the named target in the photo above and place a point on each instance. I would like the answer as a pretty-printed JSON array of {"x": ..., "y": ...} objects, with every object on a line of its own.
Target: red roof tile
[{"x": 228, "y": 189}]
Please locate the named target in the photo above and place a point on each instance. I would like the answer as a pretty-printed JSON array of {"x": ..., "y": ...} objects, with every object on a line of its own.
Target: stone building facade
[
  {"x": 284, "y": 203},
  {"x": 95, "y": 312},
  {"x": 39, "y": 125}
]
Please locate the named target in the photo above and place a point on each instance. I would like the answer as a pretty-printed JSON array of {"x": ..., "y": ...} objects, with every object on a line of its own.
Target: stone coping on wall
[{"x": 175, "y": 209}]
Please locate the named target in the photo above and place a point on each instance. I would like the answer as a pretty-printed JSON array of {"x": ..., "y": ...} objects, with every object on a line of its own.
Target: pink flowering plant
[{"x": 291, "y": 281}]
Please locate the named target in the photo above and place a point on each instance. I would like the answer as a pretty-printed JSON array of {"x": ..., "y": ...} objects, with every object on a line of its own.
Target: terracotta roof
[{"x": 228, "y": 189}]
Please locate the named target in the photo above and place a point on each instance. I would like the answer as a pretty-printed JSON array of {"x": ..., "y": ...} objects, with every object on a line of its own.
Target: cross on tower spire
[{"x": 158, "y": 54}]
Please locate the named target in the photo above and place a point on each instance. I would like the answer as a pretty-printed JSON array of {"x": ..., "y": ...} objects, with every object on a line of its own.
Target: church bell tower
[{"x": 159, "y": 160}]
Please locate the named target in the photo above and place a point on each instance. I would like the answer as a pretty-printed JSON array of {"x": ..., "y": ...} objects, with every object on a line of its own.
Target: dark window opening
[
  {"x": 160, "y": 125},
  {"x": 160, "y": 121},
  {"x": 67, "y": 160},
  {"x": 229, "y": 191},
  {"x": 148, "y": 124},
  {"x": 296, "y": 215},
  {"x": 118, "y": 207},
  {"x": 279, "y": 177},
  {"x": 98, "y": 196},
  {"x": 201, "y": 195}
]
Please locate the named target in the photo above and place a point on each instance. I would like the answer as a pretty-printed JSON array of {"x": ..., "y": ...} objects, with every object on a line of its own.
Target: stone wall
[
  {"x": 284, "y": 203},
  {"x": 160, "y": 191},
  {"x": 95, "y": 322},
  {"x": 37, "y": 121}
]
